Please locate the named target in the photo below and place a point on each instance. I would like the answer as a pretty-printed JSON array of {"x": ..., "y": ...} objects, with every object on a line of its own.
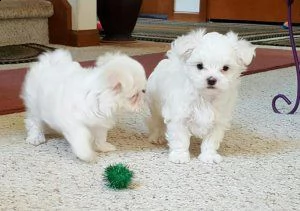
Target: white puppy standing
[
  {"x": 80, "y": 103},
  {"x": 194, "y": 90}
]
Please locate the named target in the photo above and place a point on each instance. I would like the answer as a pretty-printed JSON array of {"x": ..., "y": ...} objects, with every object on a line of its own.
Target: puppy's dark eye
[
  {"x": 144, "y": 90},
  {"x": 200, "y": 66},
  {"x": 225, "y": 68}
]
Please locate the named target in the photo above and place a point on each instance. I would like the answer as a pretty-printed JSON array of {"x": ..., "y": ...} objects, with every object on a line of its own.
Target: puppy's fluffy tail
[
  {"x": 59, "y": 56},
  {"x": 104, "y": 59}
]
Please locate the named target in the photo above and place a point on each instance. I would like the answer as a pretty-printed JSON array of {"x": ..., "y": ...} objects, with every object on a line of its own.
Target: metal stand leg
[{"x": 289, "y": 3}]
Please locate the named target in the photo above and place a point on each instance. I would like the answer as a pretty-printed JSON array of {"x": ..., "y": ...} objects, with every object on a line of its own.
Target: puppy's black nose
[{"x": 211, "y": 81}]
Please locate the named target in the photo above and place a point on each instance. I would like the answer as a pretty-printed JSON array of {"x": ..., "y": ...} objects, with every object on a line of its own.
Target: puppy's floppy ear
[
  {"x": 117, "y": 79},
  {"x": 244, "y": 49},
  {"x": 101, "y": 103},
  {"x": 114, "y": 81},
  {"x": 113, "y": 72},
  {"x": 183, "y": 46}
]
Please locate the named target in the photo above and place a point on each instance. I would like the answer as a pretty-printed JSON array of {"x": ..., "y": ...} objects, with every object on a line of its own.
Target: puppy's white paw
[
  {"x": 87, "y": 157},
  {"x": 210, "y": 157},
  {"x": 36, "y": 140},
  {"x": 179, "y": 157},
  {"x": 157, "y": 140},
  {"x": 105, "y": 147}
]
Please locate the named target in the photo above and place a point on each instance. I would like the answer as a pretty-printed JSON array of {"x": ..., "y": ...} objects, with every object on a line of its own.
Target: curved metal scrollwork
[{"x": 290, "y": 27}]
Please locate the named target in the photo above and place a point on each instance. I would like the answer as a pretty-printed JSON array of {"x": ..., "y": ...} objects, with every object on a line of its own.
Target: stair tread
[{"x": 10, "y": 9}]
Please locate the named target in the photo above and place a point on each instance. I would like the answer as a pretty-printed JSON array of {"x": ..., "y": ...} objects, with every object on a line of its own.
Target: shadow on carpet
[
  {"x": 23, "y": 53},
  {"x": 159, "y": 30}
]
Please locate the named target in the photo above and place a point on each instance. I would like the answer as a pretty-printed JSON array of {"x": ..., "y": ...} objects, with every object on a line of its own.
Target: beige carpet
[{"x": 260, "y": 171}]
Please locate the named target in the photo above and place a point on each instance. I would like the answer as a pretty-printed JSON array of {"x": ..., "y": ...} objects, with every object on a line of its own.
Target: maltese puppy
[
  {"x": 194, "y": 90},
  {"x": 80, "y": 103}
]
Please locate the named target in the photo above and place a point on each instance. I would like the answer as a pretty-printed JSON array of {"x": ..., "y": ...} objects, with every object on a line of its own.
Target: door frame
[
  {"x": 166, "y": 7},
  {"x": 195, "y": 17}
]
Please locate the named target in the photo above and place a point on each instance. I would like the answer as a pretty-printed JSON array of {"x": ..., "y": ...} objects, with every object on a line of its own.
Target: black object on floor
[
  {"x": 118, "y": 18},
  {"x": 23, "y": 53}
]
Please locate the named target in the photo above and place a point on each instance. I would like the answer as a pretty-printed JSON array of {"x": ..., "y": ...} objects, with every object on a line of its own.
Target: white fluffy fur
[
  {"x": 80, "y": 103},
  {"x": 181, "y": 101}
]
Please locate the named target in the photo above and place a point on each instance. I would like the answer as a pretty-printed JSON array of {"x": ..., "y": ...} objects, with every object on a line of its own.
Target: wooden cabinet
[
  {"x": 232, "y": 10},
  {"x": 166, "y": 7},
  {"x": 252, "y": 10},
  {"x": 158, "y": 7}
]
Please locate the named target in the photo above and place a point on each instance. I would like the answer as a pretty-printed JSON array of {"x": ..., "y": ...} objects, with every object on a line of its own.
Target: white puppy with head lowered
[
  {"x": 80, "y": 103},
  {"x": 194, "y": 90}
]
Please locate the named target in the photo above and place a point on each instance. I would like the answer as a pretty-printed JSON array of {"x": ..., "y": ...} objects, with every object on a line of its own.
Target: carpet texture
[
  {"x": 23, "y": 53},
  {"x": 260, "y": 170},
  {"x": 166, "y": 31},
  {"x": 24, "y": 21},
  {"x": 11, "y": 80}
]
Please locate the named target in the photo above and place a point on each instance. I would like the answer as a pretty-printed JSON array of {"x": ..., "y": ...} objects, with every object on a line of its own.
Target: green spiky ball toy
[{"x": 118, "y": 176}]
